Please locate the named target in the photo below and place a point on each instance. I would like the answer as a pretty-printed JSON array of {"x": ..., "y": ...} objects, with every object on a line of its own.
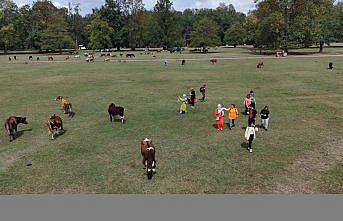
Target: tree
[
  {"x": 236, "y": 35},
  {"x": 99, "y": 34},
  {"x": 56, "y": 35},
  {"x": 205, "y": 34},
  {"x": 112, "y": 13},
  {"x": 168, "y": 26},
  {"x": 135, "y": 23},
  {"x": 8, "y": 16}
]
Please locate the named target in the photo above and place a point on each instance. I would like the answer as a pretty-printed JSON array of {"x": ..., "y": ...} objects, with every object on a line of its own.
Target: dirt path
[
  {"x": 116, "y": 60},
  {"x": 304, "y": 172}
]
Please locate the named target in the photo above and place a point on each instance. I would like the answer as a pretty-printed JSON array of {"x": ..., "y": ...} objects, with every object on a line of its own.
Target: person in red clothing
[{"x": 219, "y": 117}]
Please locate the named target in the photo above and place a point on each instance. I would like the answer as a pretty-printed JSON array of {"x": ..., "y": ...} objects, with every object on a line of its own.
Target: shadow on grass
[
  {"x": 244, "y": 145},
  {"x": 59, "y": 133},
  {"x": 21, "y": 133}
]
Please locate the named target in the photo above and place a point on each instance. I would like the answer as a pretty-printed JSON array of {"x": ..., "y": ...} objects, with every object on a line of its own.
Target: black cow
[
  {"x": 113, "y": 111},
  {"x": 30, "y": 57},
  {"x": 130, "y": 56}
]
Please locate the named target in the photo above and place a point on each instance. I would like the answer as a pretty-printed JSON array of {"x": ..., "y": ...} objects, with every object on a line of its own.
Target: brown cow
[
  {"x": 54, "y": 124},
  {"x": 260, "y": 64},
  {"x": 50, "y": 58},
  {"x": 11, "y": 125},
  {"x": 66, "y": 105},
  {"x": 213, "y": 61},
  {"x": 148, "y": 151}
]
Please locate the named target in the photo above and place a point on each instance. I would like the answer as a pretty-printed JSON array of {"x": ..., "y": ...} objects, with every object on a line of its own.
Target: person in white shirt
[{"x": 250, "y": 135}]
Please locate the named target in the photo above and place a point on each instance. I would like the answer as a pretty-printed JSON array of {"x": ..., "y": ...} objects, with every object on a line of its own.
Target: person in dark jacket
[
  {"x": 203, "y": 92},
  {"x": 252, "y": 116},
  {"x": 265, "y": 117},
  {"x": 192, "y": 98}
]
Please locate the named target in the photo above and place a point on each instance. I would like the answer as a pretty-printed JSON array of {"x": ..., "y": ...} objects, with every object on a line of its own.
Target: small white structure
[{"x": 81, "y": 47}]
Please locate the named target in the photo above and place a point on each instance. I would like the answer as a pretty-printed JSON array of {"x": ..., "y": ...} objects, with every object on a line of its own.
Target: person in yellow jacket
[
  {"x": 183, "y": 107},
  {"x": 232, "y": 115}
]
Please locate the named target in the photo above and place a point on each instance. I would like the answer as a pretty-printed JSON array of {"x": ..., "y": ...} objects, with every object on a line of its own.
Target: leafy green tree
[
  {"x": 99, "y": 34},
  {"x": 205, "y": 34},
  {"x": 56, "y": 35},
  {"x": 168, "y": 27},
  {"x": 235, "y": 35}
]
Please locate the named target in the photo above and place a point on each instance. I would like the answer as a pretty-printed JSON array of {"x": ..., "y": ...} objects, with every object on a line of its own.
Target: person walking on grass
[
  {"x": 250, "y": 135},
  {"x": 252, "y": 99},
  {"x": 192, "y": 98},
  {"x": 219, "y": 112},
  {"x": 252, "y": 115},
  {"x": 247, "y": 103},
  {"x": 203, "y": 92},
  {"x": 232, "y": 115},
  {"x": 265, "y": 117}
]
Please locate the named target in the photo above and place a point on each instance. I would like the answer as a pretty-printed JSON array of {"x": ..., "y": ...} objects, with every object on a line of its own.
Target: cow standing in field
[
  {"x": 11, "y": 125},
  {"x": 37, "y": 58},
  {"x": 213, "y": 61},
  {"x": 130, "y": 56},
  {"x": 30, "y": 57},
  {"x": 54, "y": 124},
  {"x": 260, "y": 64},
  {"x": 9, "y": 59},
  {"x": 148, "y": 151},
  {"x": 15, "y": 57},
  {"x": 50, "y": 58},
  {"x": 66, "y": 105},
  {"x": 113, "y": 111}
]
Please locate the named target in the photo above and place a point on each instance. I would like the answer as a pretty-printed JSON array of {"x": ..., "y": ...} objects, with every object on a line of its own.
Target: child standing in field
[
  {"x": 247, "y": 103},
  {"x": 265, "y": 117},
  {"x": 250, "y": 135},
  {"x": 203, "y": 92},
  {"x": 192, "y": 99},
  {"x": 252, "y": 116},
  {"x": 232, "y": 115},
  {"x": 219, "y": 112},
  {"x": 252, "y": 99},
  {"x": 183, "y": 107}
]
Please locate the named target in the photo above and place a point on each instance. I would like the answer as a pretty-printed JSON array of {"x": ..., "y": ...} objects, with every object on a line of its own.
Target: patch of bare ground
[{"x": 303, "y": 175}]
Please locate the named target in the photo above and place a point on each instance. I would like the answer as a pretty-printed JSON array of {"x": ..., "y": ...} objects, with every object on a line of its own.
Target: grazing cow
[
  {"x": 30, "y": 57},
  {"x": 183, "y": 62},
  {"x": 108, "y": 54},
  {"x": 113, "y": 111},
  {"x": 260, "y": 64},
  {"x": 15, "y": 57},
  {"x": 54, "y": 124},
  {"x": 213, "y": 61},
  {"x": 11, "y": 125},
  {"x": 68, "y": 57},
  {"x": 66, "y": 105},
  {"x": 331, "y": 66},
  {"x": 148, "y": 151},
  {"x": 102, "y": 55},
  {"x": 121, "y": 55},
  {"x": 37, "y": 58},
  {"x": 9, "y": 59},
  {"x": 130, "y": 56},
  {"x": 50, "y": 58}
]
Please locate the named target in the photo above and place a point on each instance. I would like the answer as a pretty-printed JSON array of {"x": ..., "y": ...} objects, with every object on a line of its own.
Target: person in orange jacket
[
  {"x": 219, "y": 112},
  {"x": 232, "y": 115}
]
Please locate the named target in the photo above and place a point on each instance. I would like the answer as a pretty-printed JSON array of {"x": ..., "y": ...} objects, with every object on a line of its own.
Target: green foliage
[
  {"x": 99, "y": 34},
  {"x": 205, "y": 34},
  {"x": 236, "y": 35}
]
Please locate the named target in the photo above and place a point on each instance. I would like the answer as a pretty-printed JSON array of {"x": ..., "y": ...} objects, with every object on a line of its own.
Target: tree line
[{"x": 117, "y": 24}]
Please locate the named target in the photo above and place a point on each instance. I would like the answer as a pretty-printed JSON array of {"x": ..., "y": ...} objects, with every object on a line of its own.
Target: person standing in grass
[
  {"x": 203, "y": 92},
  {"x": 219, "y": 112},
  {"x": 192, "y": 99},
  {"x": 252, "y": 115},
  {"x": 232, "y": 115},
  {"x": 247, "y": 103},
  {"x": 265, "y": 117},
  {"x": 252, "y": 99},
  {"x": 250, "y": 135},
  {"x": 183, "y": 107}
]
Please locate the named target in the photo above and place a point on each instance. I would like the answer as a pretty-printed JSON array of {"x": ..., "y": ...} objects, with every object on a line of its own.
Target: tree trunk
[{"x": 321, "y": 47}]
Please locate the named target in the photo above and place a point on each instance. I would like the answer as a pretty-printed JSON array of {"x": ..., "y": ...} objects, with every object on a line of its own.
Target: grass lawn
[{"x": 301, "y": 153}]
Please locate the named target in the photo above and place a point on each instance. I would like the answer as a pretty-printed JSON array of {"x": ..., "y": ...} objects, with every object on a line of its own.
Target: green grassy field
[{"x": 301, "y": 153}]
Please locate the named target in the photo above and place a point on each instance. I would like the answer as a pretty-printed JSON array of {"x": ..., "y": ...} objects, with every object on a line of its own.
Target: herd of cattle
[{"x": 55, "y": 126}]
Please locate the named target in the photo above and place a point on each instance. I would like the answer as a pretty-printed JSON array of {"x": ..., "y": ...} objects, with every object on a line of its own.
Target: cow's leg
[
  {"x": 111, "y": 119},
  {"x": 62, "y": 126},
  {"x": 122, "y": 119}
]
